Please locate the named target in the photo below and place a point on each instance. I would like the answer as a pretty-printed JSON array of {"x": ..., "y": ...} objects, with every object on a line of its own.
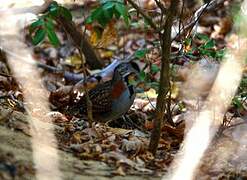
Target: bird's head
[{"x": 126, "y": 71}]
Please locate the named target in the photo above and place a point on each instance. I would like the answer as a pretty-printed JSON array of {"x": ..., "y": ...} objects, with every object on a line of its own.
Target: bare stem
[
  {"x": 164, "y": 87},
  {"x": 88, "y": 101}
]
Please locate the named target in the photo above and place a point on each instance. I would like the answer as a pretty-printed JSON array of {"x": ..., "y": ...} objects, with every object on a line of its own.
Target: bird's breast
[{"x": 118, "y": 88}]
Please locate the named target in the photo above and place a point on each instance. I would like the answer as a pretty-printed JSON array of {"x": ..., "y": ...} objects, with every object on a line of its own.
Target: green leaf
[
  {"x": 54, "y": 11},
  {"x": 212, "y": 53},
  {"x": 50, "y": 30},
  {"x": 142, "y": 76},
  {"x": 155, "y": 68},
  {"x": 187, "y": 41},
  {"x": 97, "y": 13},
  {"x": 141, "y": 53},
  {"x": 123, "y": 11},
  {"x": 36, "y": 24},
  {"x": 52, "y": 37},
  {"x": 154, "y": 85},
  {"x": 49, "y": 24},
  {"x": 202, "y": 37},
  {"x": 108, "y": 5},
  {"x": 103, "y": 1},
  {"x": 210, "y": 44},
  {"x": 89, "y": 20},
  {"x": 53, "y": 4},
  {"x": 237, "y": 102},
  {"x": 53, "y": 8},
  {"x": 65, "y": 13},
  {"x": 220, "y": 53},
  {"x": 108, "y": 14},
  {"x": 101, "y": 15},
  {"x": 39, "y": 36}
]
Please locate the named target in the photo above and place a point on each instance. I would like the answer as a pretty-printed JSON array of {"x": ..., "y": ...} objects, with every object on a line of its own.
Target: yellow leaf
[
  {"x": 174, "y": 90},
  {"x": 74, "y": 61},
  {"x": 151, "y": 93},
  {"x": 93, "y": 38},
  {"x": 106, "y": 54},
  {"x": 109, "y": 36}
]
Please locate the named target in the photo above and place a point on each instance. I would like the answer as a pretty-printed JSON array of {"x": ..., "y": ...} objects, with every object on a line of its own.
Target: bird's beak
[{"x": 132, "y": 79}]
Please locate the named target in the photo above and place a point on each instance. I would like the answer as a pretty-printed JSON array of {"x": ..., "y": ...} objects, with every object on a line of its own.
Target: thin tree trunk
[{"x": 165, "y": 38}]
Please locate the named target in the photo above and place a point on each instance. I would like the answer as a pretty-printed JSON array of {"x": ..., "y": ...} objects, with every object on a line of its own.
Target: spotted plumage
[{"x": 110, "y": 99}]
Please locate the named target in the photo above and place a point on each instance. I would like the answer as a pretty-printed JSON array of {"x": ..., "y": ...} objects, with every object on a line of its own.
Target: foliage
[
  {"x": 107, "y": 10},
  {"x": 206, "y": 48},
  {"x": 241, "y": 96},
  {"x": 141, "y": 53},
  {"x": 44, "y": 25}
]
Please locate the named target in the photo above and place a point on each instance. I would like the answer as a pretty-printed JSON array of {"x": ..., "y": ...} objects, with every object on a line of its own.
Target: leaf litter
[{"x": 123, "y": 143}]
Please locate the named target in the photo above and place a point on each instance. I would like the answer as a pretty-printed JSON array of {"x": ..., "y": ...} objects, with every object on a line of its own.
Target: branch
[
  {"x": 139, "y": 10},
  {"x": 92, "y": 58},
  {"x": 204, "y": 8},
  {"x": 81, "y": 41},
  {"x": 69, "y": 76},
  {"x": 161, "y": 6}
]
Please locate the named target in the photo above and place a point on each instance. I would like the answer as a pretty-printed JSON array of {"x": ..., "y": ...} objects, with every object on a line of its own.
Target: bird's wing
[{"x": 101, "y": 98}]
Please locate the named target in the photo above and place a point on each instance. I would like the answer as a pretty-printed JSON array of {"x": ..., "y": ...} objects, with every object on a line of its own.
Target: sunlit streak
[
  {"x": 44, "y": 143},
  {"x": 210, "y": 116}
]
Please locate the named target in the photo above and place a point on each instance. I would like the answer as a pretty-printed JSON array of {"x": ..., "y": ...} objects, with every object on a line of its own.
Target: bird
[{"x": 110, "y": 99}]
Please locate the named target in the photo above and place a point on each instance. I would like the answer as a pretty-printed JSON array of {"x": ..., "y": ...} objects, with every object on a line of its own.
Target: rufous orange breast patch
[{"x": 117, "y": 90}]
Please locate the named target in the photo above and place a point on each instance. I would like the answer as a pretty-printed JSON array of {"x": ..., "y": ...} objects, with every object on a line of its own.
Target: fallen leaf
[
  {"x": 56, "y": 117},
  {"x": 133, "y": 146},
  {"x": 119, "y": 171}
]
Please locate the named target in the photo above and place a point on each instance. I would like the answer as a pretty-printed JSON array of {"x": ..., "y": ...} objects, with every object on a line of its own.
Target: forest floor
[{"x": 118, "y": 150}]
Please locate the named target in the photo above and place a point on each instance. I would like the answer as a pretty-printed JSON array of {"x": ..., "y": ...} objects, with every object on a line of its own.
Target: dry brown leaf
[
  {"x": 119, "y": 171},
  {"x": 149, "y": 125},
  {"x": 56, "y": 117},
  {"x": 133, "y": 146},
  {"x": 119, "y": 131},
  {"x": 76, "y": 137},
  {"x": 61, "y": 96},
  {"x": 92, "y": 132},
  {"x": 175, "y": 131}
]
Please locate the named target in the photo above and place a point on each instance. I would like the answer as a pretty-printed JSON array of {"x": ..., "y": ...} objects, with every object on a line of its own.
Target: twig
[
  {"x": 198, "y": 15},
  {"x": 69, "y": 76},
  {"x": 80, "y": 40},
  {"x": 149, "y": 100},
  {"x": 161, "y": 6},
  {"x": 237, "y": 124},
  {"x": 5, "y": 75},
  {"x": 180, "y": 18},
  {"x": 139, "y": 10},
  {"x": 89, "y": 103},
  {"x": 205, "y": 8}
]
